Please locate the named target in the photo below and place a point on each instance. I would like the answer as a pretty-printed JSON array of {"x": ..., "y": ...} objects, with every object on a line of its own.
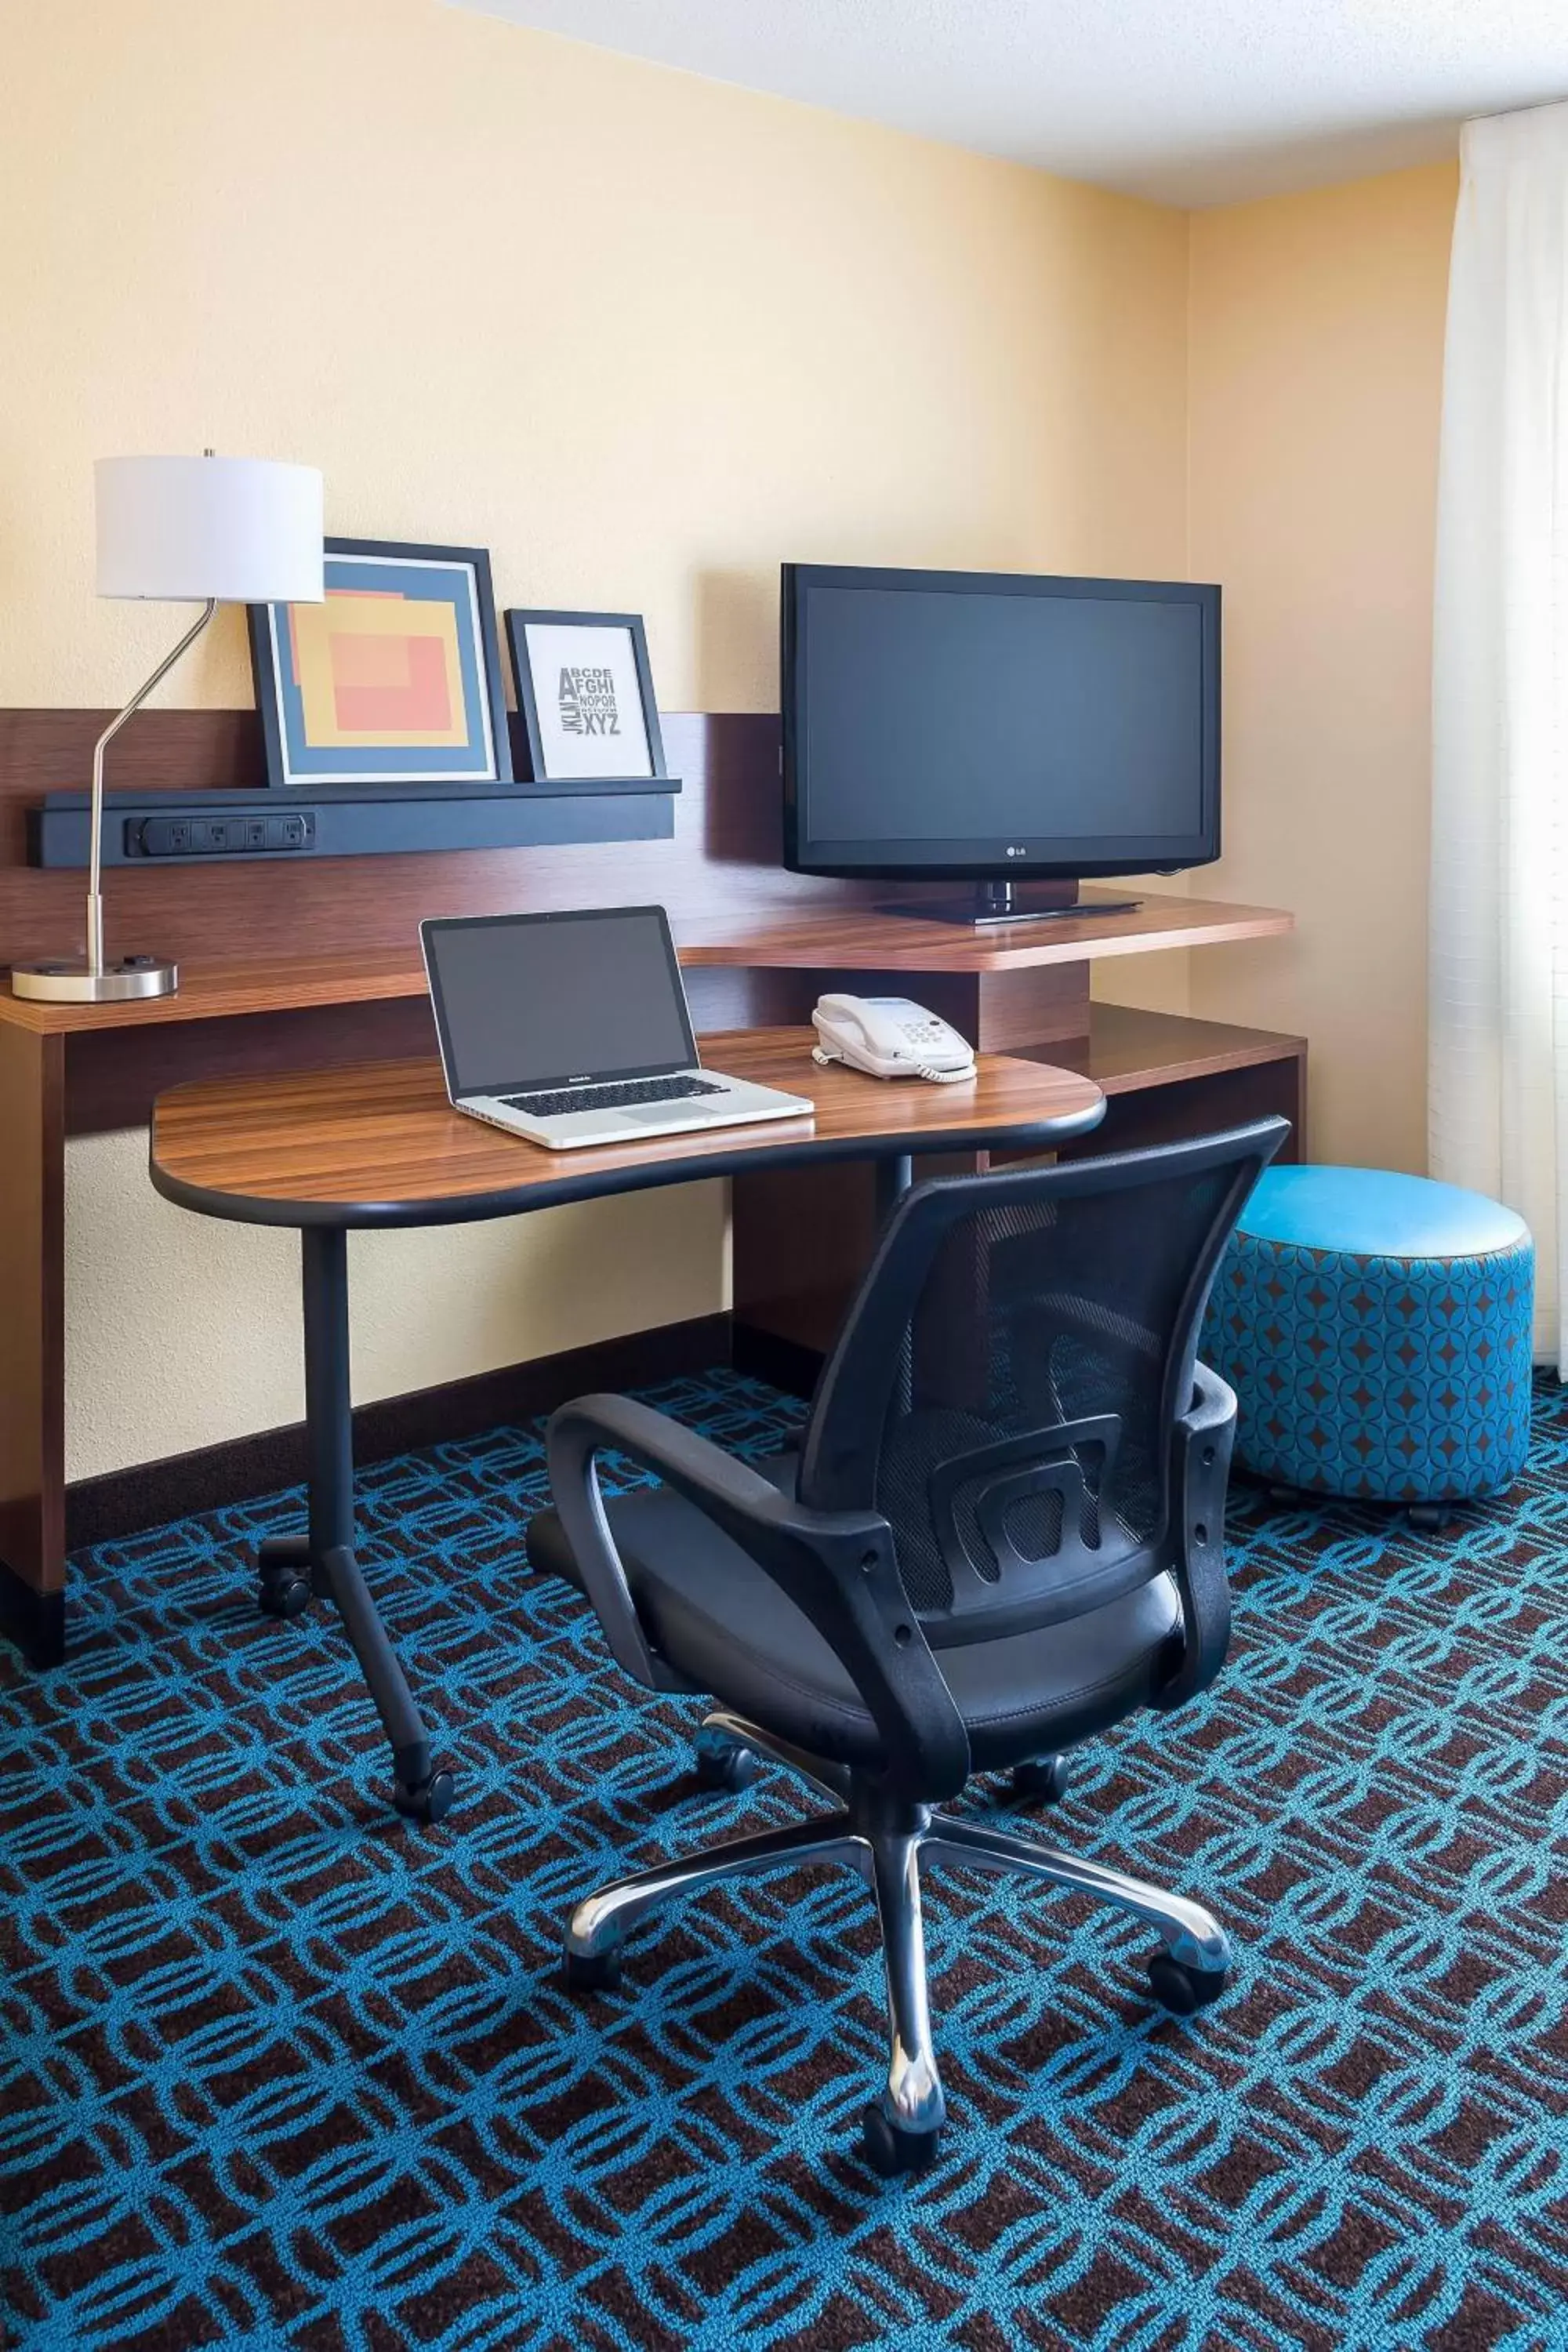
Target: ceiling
[{"x": 1187, "y": 101}]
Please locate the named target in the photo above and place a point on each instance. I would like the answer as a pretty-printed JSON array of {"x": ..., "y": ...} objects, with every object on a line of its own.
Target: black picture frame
[
  {"x": 493, "y": 684},
  {"x": 519, "y": 620}
]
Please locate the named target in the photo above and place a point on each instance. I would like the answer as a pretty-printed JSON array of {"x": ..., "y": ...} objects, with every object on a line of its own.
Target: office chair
[{"x": 1003, "y": 1533}]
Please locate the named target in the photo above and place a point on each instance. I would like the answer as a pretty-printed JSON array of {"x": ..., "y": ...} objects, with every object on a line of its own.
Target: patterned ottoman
[{"x": 1376, "y": 1329}]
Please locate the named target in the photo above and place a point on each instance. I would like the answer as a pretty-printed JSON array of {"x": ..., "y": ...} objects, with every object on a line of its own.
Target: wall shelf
[{"x": 355, "y": 820}]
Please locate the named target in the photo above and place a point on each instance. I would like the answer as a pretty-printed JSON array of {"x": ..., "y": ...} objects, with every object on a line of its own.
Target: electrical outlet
[{"x": 222, "y": 835}]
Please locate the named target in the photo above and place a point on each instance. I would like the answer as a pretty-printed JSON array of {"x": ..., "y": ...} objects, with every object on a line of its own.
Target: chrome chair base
[{"x": 888, "y": 1844}]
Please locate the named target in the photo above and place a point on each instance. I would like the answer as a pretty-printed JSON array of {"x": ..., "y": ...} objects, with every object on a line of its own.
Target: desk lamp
[{"x": 206, "y": 531}]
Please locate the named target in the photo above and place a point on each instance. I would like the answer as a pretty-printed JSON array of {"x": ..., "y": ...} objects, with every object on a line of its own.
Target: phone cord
[{"x": 935, "y": 1077}]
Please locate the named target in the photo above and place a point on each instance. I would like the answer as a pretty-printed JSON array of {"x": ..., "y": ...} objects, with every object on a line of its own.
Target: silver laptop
[{"x": 574, "y": 1029}]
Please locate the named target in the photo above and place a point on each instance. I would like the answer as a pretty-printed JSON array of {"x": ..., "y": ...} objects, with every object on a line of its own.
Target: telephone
[{"x": 890, "y": 1038}]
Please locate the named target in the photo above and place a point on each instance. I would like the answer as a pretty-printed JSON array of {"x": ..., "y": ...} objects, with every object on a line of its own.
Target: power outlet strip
[{"x": 222, "y": 835}]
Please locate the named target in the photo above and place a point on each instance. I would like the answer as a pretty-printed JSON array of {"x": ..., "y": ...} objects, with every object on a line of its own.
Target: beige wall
[
  {"x": 1316, "y": 375},
  {"x": 640, "y": 334}
]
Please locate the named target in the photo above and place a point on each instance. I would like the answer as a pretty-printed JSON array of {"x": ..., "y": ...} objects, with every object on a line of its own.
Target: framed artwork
[
  {"x": 585, "y": 695},
  {"x": 395, "y": 678}
]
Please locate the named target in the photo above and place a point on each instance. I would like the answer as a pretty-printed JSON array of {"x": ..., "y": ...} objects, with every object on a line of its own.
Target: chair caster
[
  {"x": 284, "y": 1562},
  {"x": 591, "y": 1972},
  {"x": 425, "y": 1801},
  {"x": 889, "y": 2150},
  {"x": 1432, "y": 1519},
  {"x": 729, "y": 1767},
  {"x": 1181, "y": 1990},
  {"x": 283, "y": 1596},
  {"x": 1044, "y": 1781}
]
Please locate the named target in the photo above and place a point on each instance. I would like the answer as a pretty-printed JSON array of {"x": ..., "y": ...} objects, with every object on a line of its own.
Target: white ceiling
[{"x": 1188, "y": 101}]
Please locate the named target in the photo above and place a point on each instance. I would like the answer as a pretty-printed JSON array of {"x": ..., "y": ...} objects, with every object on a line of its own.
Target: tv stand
[{"x": 999, "y": 902}]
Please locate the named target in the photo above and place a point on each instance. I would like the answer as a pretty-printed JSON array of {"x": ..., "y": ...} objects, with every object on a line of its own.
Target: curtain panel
[{"x": 1499, "y": 940}]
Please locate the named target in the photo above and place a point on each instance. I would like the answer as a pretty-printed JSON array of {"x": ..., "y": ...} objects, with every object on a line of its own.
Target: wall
[
  {"x": 641, "y": 334},
  {"x": 1315, "y": 384}
]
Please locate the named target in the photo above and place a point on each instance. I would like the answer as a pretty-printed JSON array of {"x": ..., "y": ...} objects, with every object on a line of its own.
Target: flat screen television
[{"x": 995, "y": 727}]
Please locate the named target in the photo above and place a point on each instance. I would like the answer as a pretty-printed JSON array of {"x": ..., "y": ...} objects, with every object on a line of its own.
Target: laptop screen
[{"x": 529, "y": 1000}]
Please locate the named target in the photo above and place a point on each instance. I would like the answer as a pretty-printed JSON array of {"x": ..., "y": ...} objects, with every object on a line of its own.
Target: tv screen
[{"x": 996, "y": 726}]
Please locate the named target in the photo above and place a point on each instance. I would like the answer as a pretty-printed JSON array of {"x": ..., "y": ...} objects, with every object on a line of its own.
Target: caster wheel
[
  {"x": 890, "y": 2152},
  {"x": 1042, "y": 1781},
  {"x": 726, "y": 1767},
  {"x": 1181, "y": 1990},
  {"x": 591, "y": 1972},
  {"x": 1431, "y": 1518},
  {"x": 428, "y": 1802},
  {"x": 283, "y": 1596}
]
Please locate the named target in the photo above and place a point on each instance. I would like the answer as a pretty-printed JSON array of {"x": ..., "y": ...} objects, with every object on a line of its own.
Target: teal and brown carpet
[{"x": 279, "y": 2069}]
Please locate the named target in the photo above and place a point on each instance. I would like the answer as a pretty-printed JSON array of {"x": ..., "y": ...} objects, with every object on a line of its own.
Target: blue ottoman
[{"x": 1376, "y": 1329}]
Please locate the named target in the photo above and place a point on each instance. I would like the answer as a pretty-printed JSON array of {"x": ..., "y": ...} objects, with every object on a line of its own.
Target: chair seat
[{"x": 729, "y": 1632}]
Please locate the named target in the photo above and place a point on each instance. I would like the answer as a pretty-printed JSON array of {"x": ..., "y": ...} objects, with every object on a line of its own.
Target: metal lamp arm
[{"x": 95, "y": 844}]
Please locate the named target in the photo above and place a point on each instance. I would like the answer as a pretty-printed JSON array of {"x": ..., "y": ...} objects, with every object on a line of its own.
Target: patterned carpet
[{"x": 281, "y": 2071}]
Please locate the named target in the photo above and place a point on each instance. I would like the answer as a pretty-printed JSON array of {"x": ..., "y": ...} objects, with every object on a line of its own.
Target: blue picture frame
[{"x": 310, "y": 744}]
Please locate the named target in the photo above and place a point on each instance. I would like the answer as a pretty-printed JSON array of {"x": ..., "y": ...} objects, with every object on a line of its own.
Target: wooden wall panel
[{"x": 723, "y": 860}]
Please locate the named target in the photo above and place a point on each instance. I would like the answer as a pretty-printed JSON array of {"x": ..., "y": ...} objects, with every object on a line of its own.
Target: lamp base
[{"x": 66, "y": 980}]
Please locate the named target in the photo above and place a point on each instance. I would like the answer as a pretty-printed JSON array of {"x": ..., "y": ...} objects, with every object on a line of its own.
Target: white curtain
[{"x": 1499, "y": 1072}]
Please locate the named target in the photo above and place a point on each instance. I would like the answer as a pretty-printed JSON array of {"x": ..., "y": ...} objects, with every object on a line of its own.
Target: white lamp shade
[{"x": 245, "y": 531}]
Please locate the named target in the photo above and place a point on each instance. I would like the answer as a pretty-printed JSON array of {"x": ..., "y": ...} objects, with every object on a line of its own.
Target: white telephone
[{"x": 891, "y": 1038}]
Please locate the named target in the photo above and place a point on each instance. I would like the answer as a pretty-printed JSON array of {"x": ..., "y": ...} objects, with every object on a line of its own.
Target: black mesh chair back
[
  {"x": 1002, "y": 1537},
  {"x": 1005, "y": 1388}
]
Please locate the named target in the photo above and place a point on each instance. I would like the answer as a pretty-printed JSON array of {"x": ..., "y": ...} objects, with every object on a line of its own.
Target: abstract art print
[
  {"x": 394, "y": 678},
  {"x": 585, "y": 692}
]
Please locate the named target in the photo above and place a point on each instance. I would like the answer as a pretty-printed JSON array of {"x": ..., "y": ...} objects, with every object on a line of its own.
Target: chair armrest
[
  {"x": 1200, "y": 1473},
  {"x": 838, "y": 1568}
]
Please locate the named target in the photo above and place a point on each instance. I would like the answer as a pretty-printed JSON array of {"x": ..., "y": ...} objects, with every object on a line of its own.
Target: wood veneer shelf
[
  {"x": 870, "y": 938},
  {"x": 215, "y": 992},
  {"x": 1127, "y": 1050}
]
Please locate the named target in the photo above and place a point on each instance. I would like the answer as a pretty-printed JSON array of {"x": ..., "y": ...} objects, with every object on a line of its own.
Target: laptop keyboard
[{"x": 610, "y": 1098}]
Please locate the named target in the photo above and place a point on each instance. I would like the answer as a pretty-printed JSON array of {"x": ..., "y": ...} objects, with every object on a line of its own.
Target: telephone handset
[{"x": 890, "y": 1038}]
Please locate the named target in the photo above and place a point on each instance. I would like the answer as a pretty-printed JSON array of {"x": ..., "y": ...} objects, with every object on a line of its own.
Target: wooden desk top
[
  {"x": 847, "y": 939},
  {"x": 210, "y": 991},
  {"x": 382, "y": 1146}
]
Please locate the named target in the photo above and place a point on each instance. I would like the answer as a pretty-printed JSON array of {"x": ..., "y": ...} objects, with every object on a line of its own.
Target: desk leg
[
  {"x": 417, "y": 1792},
  {"x": 329, "y": 1424},
  {"x": 894, "y": 1177}
]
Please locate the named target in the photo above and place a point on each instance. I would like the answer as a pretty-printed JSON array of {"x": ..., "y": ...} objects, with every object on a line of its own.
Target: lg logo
[{"x": 1019, "y": 852}]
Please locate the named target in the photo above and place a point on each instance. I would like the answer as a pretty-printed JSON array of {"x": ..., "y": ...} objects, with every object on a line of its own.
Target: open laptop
[{"x": 574, "y": 1029}]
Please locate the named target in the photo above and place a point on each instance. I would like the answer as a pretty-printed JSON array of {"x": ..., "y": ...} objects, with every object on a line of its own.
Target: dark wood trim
[
  {"x": 786, "y": 1364},
  {"x": 32, "y": 1306},
  {"x": 150, "y": 1494},
  {"x": 34, "y": 1621}
]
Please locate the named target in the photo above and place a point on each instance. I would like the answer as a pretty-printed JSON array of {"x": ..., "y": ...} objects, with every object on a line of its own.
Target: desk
[
  {"x": 381, "y": 1145},
  {"x": 266, "y": 986}
]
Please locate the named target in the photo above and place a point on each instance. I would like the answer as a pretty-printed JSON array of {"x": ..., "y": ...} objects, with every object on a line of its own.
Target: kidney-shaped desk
[{"x": 382, "y": 1146}]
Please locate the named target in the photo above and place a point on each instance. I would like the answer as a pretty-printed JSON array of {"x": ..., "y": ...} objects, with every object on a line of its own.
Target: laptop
[{"x": 572, "y": 1029}]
